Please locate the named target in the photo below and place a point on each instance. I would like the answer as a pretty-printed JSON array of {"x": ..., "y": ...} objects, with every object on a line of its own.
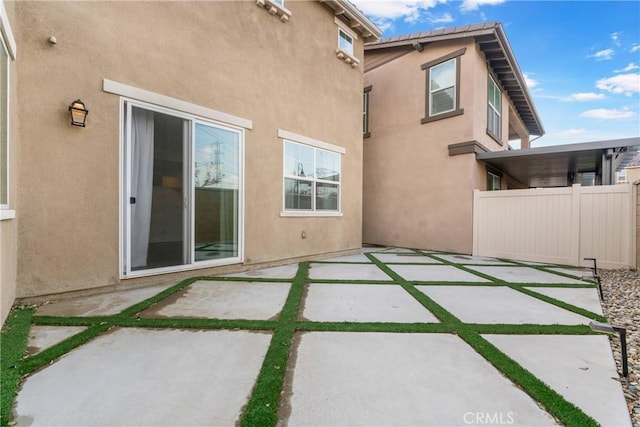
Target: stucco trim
[
  {"x": 467, "y": 147},
  {"x": 7, "y": 214},
  {"x": 132, "y": 92},
  {"x": 7, "y": 33},
  {"x": 294, "y": 137}
]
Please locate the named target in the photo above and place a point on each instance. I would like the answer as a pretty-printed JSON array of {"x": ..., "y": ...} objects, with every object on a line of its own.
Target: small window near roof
[{"x": 345, "y": 42}]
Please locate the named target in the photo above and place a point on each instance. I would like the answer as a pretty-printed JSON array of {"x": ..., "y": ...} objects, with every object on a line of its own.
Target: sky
[{"x": 580, "y": 59}]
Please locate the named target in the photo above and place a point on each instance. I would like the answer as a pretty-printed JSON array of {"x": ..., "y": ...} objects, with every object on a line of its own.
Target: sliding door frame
[{"x": 125, "y": 170}]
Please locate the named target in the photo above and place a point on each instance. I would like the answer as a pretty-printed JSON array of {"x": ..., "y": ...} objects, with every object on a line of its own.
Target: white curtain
[{"x": 142, "y": 137}]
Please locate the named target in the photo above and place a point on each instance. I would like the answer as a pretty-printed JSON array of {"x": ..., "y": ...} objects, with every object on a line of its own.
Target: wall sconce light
[{"x": 78, "y": 113}]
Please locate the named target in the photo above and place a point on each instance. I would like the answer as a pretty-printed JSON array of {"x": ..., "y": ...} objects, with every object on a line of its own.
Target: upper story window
[
  {"x": 312, "y": 179},
  {"x": 443, "y": 87},
  {"x": 346, "y": 44},
  {"x": 365, "y": 112},
  {"x": 494, "y": 110}
]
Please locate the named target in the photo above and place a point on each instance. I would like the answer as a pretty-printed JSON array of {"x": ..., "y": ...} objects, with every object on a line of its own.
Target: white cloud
[
  {"x": 615, "y": 37},
  {"x": 530, "y": 81},
  {"x": 602, "y": 55},
  {"x": 442, "y": 19},
  {"x": 572, "y": 132},
  {"x": 582, "y": 97},
  {"x": 622, "y": 83},
  {"x": 469, "y": 5},
  {"x": 608, "y": 114},
  {"x": 384, "y": 12},
  {"x": 629, "y": 67},
  {"x": 635, "y": 47},
  {"x": 394, "y": 9}
]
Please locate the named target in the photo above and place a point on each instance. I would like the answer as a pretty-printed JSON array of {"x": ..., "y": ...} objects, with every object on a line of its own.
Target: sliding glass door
[{"x": 183, "y": 192}]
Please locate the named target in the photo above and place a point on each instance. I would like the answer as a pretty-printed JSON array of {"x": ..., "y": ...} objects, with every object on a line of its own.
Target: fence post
[
  {"x": 575, "y": 224},
  {"x": 476, "y": 222}
]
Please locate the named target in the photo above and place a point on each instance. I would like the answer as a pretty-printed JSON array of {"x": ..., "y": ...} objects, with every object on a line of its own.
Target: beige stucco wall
[
  {"x": 229, "y": 56},
  {"x": 9, "y": 227},
  {"x": 415, "y": 194}
]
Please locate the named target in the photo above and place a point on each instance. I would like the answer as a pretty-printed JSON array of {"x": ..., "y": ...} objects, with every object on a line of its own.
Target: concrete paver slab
[
  {"x": 435, "y": 273},
  {"x": 363, "y": 303},
  {"x": 154, "y": 377},
  {"x": 524, "y": 275},
  {"x": 224, "y": 300},
  {"x": 400, "y": 258},
  {"x": 366, "y": 379},
  {"x": 586, "y": 298},
  {"x": 468, "y": 259},
  {"x": 580, "y": 368},
  {"x": 99, "y": 305},
  {"x": 43, "y": 337},
  {"x": 280, "y": 272},
  {"x": 578, "y": 272},
  {"x": 319, "y": 271},
  {"x": 349, "y": 258},
  {"x": 498, "y": 304}
]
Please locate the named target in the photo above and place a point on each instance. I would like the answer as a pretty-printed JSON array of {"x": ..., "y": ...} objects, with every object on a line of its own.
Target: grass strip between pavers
[
  {"x": 555, "y": 404},
  {"x": 566, "y": 412},
  {"x": 13, "y": 345},
  {"x": 262, "y": 409}
]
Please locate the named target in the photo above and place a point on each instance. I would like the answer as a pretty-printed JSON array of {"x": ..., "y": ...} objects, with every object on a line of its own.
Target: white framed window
[
  {"x": 4, "y": 126},
  {"x": 442, "y": 98},
  {"x": 622, "y": 175},
  {"x": 493, "y": 181},
  {"x": 442, "y": 88},
  {"x": 345, "y": 42},
  {"x": 494, "y": 109},
  {"x": 182, "y": 188},
  {"x": 8, "y": 51},
  {"x": 312, "y": 179}
]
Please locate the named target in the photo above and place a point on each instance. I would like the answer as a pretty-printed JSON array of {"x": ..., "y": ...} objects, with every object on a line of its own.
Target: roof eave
[
  {"x": 368, "y": 30},
  {"x": 520, "y": 79}
]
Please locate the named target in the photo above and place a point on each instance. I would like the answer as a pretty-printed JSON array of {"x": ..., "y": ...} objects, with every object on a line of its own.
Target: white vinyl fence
[{"x": 557, "y": 225}]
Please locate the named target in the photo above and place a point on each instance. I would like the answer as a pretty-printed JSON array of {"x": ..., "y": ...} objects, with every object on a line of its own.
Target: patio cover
[{"x": 563, "y": 165}]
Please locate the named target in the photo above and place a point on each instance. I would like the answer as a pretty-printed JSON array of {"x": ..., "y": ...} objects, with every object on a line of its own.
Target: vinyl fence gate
[{"x": 558, "y": 225}]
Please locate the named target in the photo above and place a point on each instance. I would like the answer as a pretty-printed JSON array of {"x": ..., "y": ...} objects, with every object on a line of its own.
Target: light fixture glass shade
[{"x": 78, "y": 113}]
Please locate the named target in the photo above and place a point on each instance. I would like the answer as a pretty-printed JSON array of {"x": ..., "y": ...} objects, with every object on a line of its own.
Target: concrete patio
[{"x": 386, "y": 337}]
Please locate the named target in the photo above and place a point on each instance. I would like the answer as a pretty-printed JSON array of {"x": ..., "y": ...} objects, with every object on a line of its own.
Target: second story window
[
  {"x": 443, "y": 87},
  {"x": 365, "y": 112},
  {"x": 345, "y": 42},
  {"x": 494, "y": 110}
]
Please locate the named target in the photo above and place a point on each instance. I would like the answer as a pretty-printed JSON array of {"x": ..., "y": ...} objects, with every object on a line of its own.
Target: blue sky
[{"x": 581, "y": 59}]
